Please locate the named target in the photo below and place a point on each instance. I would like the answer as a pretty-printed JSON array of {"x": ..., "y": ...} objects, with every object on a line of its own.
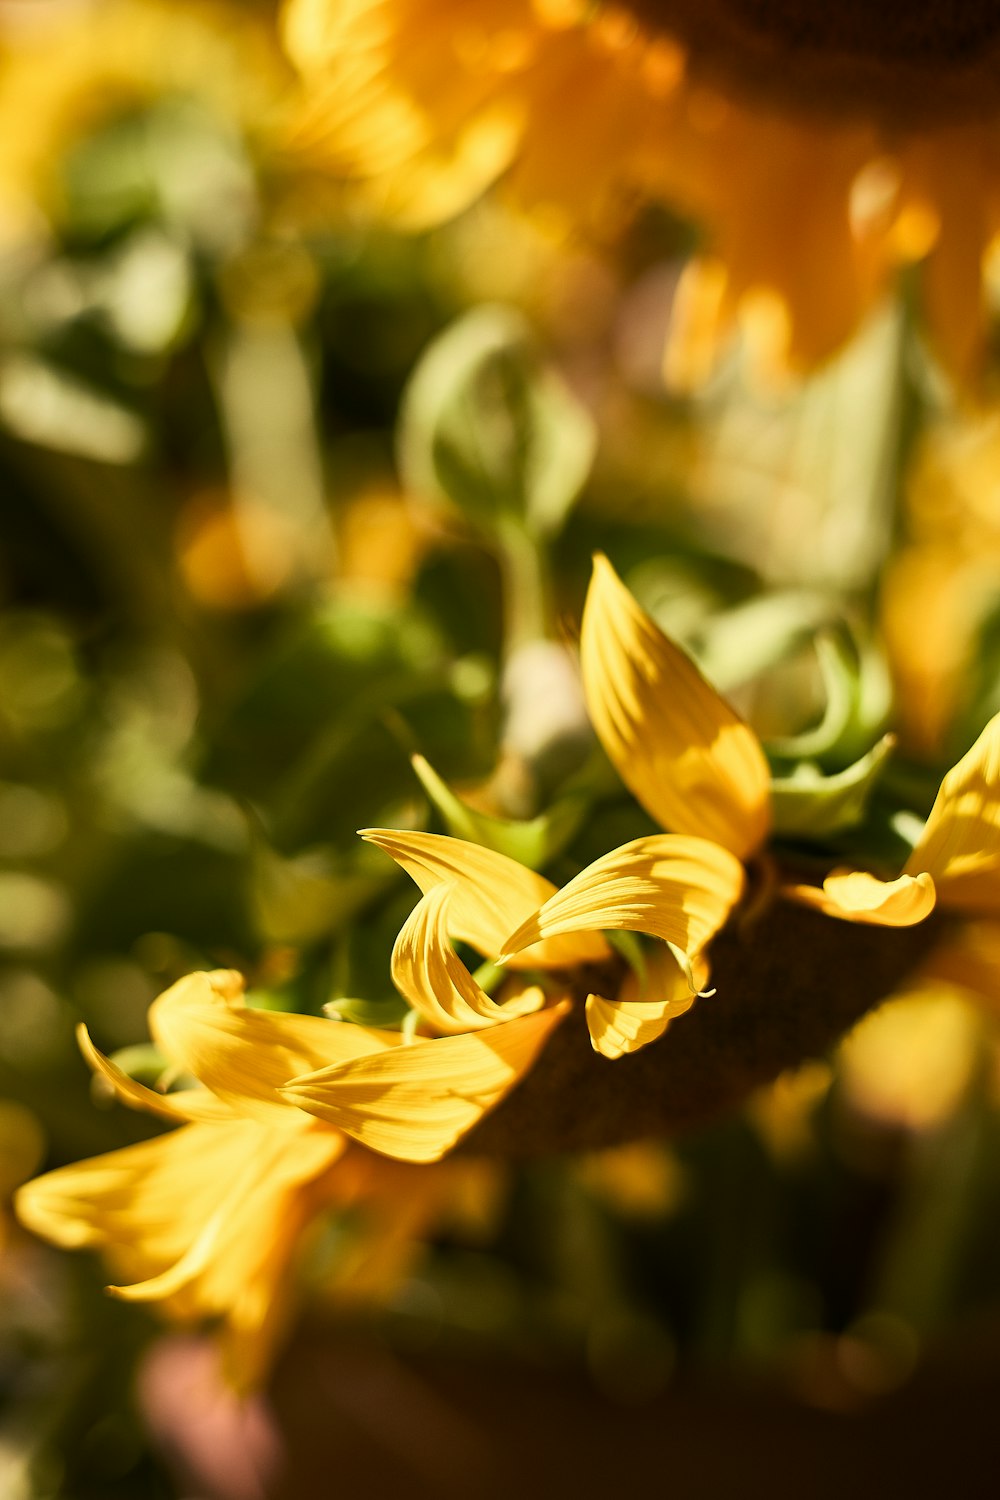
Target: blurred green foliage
[{"x": 206, "y": 688}]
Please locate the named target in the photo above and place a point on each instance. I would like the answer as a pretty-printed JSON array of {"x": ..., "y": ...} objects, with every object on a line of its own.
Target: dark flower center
[
  {"x": 885, "y": 31},
  {"x": 923, "y": 58}
]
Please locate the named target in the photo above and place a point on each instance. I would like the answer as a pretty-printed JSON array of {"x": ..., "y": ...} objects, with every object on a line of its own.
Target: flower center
[
  {"x": 902, "y": 32},
  {"x": 924, "y": 57}
]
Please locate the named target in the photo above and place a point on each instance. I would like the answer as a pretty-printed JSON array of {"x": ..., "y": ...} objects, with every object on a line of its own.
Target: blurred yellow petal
[
  {"x": 857, "y": 896},
  {"x": 968, "y": 960},
  {"x": 245, "y": 1055},
  {"x": 186, "y": 1104},
  {"x": 679, "y": 748},
  {"x": 645, "y": 1006},
  {"x": 144, "y": 1204},
  {"x": 218, "y": 1266},
  {"x": 428, "y": 971},
  {"x": 204, "y": 1220},
  {"x": 960, "y": 846},
  {"x": 416, "y": 1102},
  {"x": 910, "y": 1063},
  {"x": 492, "y": 895},
  {"x": 677, "y": 889}
]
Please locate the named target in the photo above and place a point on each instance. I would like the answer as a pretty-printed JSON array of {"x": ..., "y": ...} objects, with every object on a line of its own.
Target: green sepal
[
  {"x": 301, "y": 899},
  {"x": 807, "y": 803},
  {"x": 144, "y": 1063},
  {"x": 533, "y": 842},
  {"x": 383, "y": 1015}
]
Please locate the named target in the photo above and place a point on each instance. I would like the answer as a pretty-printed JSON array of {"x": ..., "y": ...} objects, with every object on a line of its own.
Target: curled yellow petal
[
  {"x": 245, "y": 1055},
  {"x": 675, "y": 888},
  {"x": 856, "y": 896},
  {"x": 492, "y": 895},
  {"x": 417, "y": 1101},
  {"x": 695, "y": 766},
  {"x": 645, "y": 1005},
  {"x": 185, "y": 1104},
  {"x": 960, "y": 845},
  {"x": 428, "y": 971}
]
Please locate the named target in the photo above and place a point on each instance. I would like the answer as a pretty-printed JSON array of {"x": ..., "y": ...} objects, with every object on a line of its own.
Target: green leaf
[
  {"x": 533, "y": 842},
  {"x": 143, "y": 1062},
  {"x": 383, "y": 1015},
  {"x": 807, "y": 803},
  {"x": 489, "y": 427},
  {"x": 299, "y": 900}
]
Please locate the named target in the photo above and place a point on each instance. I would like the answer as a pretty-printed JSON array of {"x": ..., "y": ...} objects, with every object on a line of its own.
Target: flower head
[{"x": 587, "y": 108}]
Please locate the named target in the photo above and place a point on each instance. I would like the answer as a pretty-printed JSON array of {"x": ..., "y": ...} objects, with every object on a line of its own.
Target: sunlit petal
[
  {"x": 145, "y": 1205},
  {"x": 204, "y": 1220},
  {"x": 428, "y": 971},
  {"x": 857, "y": 896},
  {"x": 245, "y": 1055},
  {"x": 645, "y": 1005},
  {"x": 416, "y": 1102},
  {"x": 679, "y": 748},
  {"x": 185, "y": 1104},
  {"x": 960, "y": 845},
  {"x": 492, "y": 895},
  {"x": 240, "y": 1237},
  {"x": 675, "y": 888}
]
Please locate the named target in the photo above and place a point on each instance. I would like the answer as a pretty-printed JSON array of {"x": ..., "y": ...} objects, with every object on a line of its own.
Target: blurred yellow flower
[
  {"x": 69, "y": 66},
  {"x": 940, "y": 587},
  {"x": 697, "y": 768},
  {"x": 644, "y": 1180},
  {"x": 910, "y": 1063},
  {"x": 206, "y": 1220},
  {"x": 586, "y": 108},
  {"x": 782, "y": 1112},
  {"x": 233, "y": 556}
]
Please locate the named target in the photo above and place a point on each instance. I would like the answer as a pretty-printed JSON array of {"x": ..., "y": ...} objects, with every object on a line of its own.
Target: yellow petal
[
  {"x": 185, "y": 1104},
  {"x": 428, "y": 971},
  {"x": 857, "y": 896},
  {"x": 204, "y": 1220},
  {"x": 244, "y": 1234},
  {"x": 960, "y": 845},
  {"x": 492, "y": 895},
  {"x": 245, "y": 1055},
  {"x": 416, "y": 1102},
  {"x": 679, "y": 748},
  {"x": 968, "y": 960},
  {"x": 645, "y": 1005},
  {"x": 677, "y": 889},
  {"x": 910, "y": 1063},
  {"x": 145, "y": 1204}
]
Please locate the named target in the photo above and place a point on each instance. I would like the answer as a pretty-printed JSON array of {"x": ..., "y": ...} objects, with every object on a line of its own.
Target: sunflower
[
  {"x": 803, "y": 144},
  {"x": 72, "y": 67}
]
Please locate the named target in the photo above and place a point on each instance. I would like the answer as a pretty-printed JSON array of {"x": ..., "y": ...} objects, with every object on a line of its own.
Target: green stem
[{"x": 527, "y": 591}]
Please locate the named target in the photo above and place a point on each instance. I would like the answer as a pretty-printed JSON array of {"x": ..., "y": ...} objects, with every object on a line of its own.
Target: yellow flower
[
  {"x": 73, "y": 66},
  {"x": 677, "y": 889},
  {"x": 206, "y": 1220},
  {"x": 909, "y": 1064},
  {"x": 586, "y": 107},
  {"x": 940, "y": 588},
  {"x": 697, "y": 768}
]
